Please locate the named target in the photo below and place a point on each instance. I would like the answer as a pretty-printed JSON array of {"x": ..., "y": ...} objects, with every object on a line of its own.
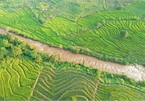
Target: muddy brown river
[{"x": 137, "y": 72}]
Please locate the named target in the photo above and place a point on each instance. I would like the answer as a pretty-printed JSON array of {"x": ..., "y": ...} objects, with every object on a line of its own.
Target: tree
[
  {"x": 45, "y": 57},
  {"x": 33, "y": 54},
  {"x": 1, "y": 56},
  {"x": 103, "y": 22},
  {"x": 124, "y": 33},
  {"x": 5, "y": 43},
  {"x": 60, "y": 46},
  {"x": 122, "y": 81},
  {"x": 17, "y": 41},
  {"x": 10, "y": 38},
  {"x": 74, "y": 49},
  {"x": 16, "y": 51},
  {"x": 23, "y": 45},
  {"x": 54, "y": 58},
  {"x": 38, "y": 59},
  {"x": 99, "y": 25},
  {"x": 137, "y": 18},
  {"x": 119, "y": 8},
  {"x": 7, "y": 29},
  {"x": 3, "y": 51}
]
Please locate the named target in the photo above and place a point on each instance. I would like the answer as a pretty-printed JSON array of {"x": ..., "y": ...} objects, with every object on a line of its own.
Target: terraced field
[
  {"x": 118, "y": 92},
  {"x": 98, "y": 34},
  {"x": 136, "y": 8},
  {"x": 72, "y": 85},
  {"x": 57, "y": 85},
  {"x": 113, "y": 31},
  {"x": 68, "y": 26},
  {"x": 17, "y": 78},
  {"x": 20, "y": 80},
  {"x": 24, "y": 78},
  {"x": 108, "y": 40},
  {"x": 103, "y": 16},
  {"x": 22, "y": 22}
]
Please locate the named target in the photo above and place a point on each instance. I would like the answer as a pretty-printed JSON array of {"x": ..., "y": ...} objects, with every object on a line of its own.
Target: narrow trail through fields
[
  {"x": 34, "y": 86},
  {"x": 136, "y": 72}
]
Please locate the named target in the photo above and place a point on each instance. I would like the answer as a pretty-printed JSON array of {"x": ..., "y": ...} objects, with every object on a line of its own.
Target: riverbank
[{"x": 137, "y": 72}]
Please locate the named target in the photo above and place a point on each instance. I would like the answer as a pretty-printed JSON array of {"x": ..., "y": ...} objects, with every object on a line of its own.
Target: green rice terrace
[
  {"x": 28, "y": 75},
  {"x": 60, "y": 50}
]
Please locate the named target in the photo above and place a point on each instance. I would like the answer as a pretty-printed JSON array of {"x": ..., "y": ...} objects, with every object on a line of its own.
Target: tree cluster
[{"x": 12, "y": 47}]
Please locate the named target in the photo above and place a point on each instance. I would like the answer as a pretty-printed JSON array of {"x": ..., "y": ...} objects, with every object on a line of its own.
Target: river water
[{"x": 137, "y": 72}]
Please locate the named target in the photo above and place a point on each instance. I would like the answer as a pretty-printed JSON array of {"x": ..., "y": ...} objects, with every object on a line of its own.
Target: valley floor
[{"x": 136, "y": 72}]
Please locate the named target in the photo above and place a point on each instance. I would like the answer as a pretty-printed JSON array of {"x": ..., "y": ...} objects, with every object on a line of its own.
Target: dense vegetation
[
  {"x": 28, "y": 75},
  {"x": 98, "y": 34},
  {"x": 112, "y": 30},
  {"x": 47, "y": 9}
]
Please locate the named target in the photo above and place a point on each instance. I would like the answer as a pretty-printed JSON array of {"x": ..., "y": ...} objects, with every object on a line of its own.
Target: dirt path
[{"x": 136, "y": 72}]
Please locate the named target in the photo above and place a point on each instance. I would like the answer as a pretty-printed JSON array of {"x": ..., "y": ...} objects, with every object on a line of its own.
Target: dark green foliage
[
  {"x": 16, "y": 51},
  {"x": 38, "y": 59},
  {"x": 1, "y": 98},
  {"x": 124, "y": 33},
  {"x": 14, "y": 48}
]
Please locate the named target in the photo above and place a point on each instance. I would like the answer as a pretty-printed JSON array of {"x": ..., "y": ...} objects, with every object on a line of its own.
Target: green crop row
[
  {"x": 15, "y": 84},
  {"x": 56, "y": 84},
  {"x": 116, "y": 92},
  {"x": 108, "y": 40},
  {"x": 60, "y": 85}
]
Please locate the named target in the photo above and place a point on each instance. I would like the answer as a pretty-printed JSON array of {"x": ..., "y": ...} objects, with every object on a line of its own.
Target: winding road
[{"x": 137, "y": 72}]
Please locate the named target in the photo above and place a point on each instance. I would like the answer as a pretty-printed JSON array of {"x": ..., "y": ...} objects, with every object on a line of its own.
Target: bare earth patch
[
  {"x": 2, "y": 31},
  {"x": 137, "y": 72}
]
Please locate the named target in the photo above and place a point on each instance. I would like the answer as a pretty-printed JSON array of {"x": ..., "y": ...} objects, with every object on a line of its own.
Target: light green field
[
  {"x": 108, "y": 40},
  {"x": 72, "y": 85},
  {"x": 137, "y": 8},
  {"x": 98, "y": 32},
  {"x": 22, "y": 22},
  {"x": 17, "y": 82},
  {"x": 17, "y": 79},
  {"x": 62, "y": 26},
  {"x": 118, "y": 92},
  {"x": 101, "y": 16}
]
